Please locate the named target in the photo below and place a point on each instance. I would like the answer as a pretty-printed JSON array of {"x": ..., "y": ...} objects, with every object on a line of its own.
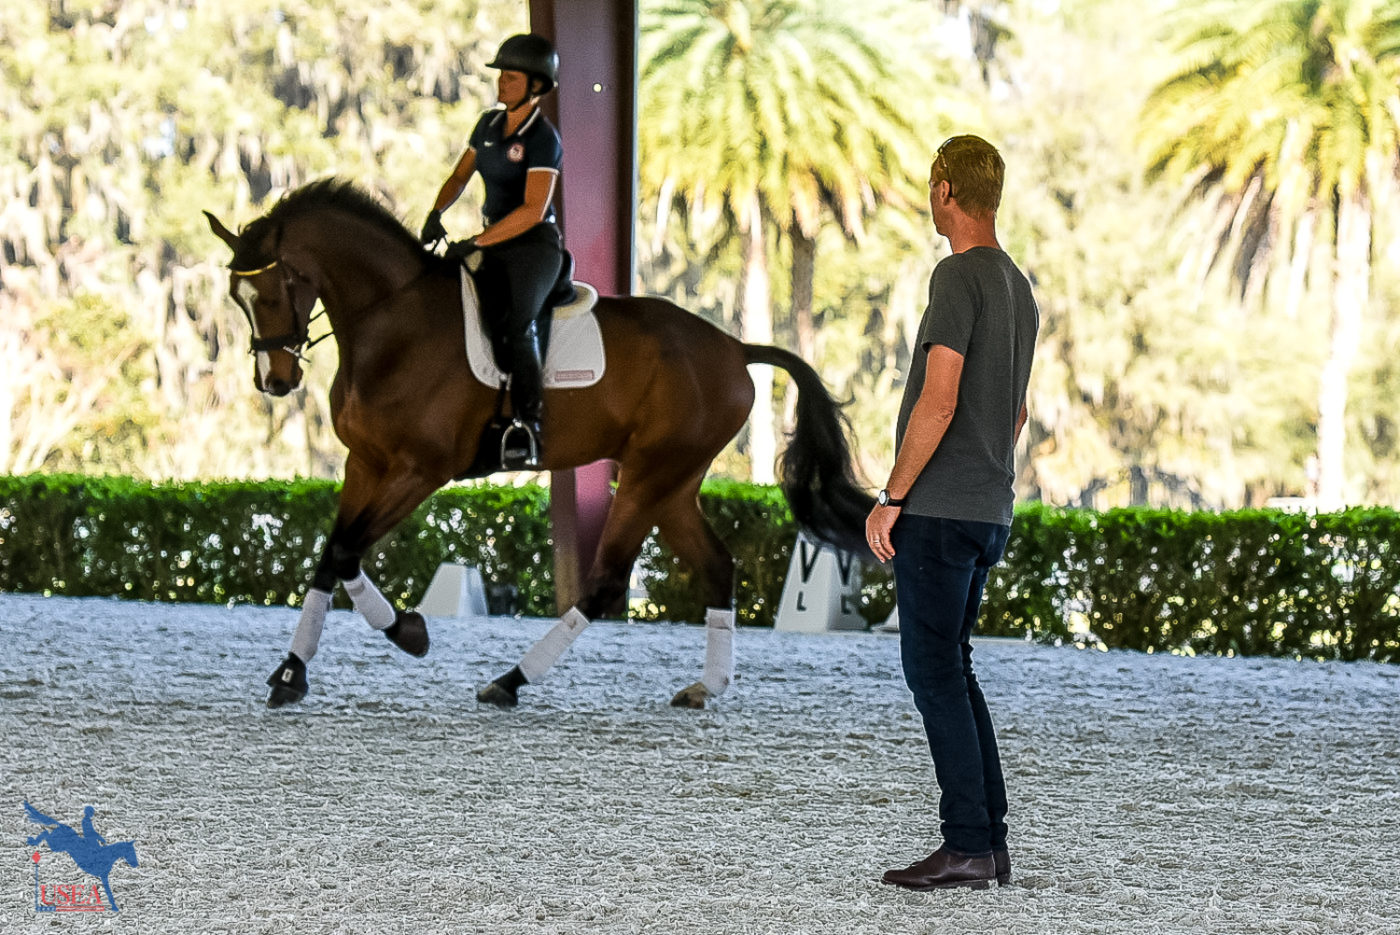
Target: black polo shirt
[{"x": 504, "y": 162}]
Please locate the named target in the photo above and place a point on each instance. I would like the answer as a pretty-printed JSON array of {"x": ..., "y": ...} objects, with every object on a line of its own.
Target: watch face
[{"x": 884, "y": 498}]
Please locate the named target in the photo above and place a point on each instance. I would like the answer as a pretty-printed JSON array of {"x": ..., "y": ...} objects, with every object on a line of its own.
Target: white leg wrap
[
  {"x": 371, "y": 604},
  {"x": 313, "y": 616},
  {"x": 719, "y": 650},
  {"x": 546, "y": 652}
]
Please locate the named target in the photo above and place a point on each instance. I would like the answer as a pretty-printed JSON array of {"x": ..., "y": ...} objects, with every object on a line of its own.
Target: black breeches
[{"x": 518, "y": 276}]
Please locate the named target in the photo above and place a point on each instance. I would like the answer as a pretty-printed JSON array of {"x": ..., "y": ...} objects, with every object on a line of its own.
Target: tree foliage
[
  {"x": 1187, "y": 313},
  {"x": 122, "y": 119},
  {"x": 1285, "y": 118},
  {"x": 776, "y": 116}
]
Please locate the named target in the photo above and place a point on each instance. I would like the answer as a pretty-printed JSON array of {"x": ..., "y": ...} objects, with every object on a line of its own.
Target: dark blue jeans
[{"x": 940, "y": 569}]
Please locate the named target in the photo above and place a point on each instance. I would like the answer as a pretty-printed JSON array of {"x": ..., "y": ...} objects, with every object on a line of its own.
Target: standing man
[{"x": 945, "y": 512}]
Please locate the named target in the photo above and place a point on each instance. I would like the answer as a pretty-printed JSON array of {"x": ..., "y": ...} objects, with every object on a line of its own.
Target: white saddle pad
[{"x": 575, "y": 355}]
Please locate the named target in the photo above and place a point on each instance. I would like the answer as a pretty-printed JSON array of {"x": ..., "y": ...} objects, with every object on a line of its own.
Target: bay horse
[{"x": 675, "y": 391}]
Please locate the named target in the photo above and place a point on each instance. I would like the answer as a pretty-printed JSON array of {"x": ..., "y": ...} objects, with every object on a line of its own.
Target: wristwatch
[{"x": 884, "y": 499}]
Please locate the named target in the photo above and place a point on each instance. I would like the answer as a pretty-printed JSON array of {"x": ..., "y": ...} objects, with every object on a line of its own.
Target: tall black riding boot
[{"x": 520, "y": 446}]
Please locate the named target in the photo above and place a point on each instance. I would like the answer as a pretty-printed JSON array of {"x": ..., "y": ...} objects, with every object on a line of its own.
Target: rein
[{"x": 298, "y": 342}]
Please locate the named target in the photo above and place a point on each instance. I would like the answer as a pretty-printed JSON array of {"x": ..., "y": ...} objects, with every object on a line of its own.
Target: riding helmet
[{"x": 531, "y": 53}]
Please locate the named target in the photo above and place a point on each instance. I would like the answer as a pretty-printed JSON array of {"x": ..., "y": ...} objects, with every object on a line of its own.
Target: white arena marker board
[
  {"x": 822, "y": 590},
  {"x": 456, "y": 591}
]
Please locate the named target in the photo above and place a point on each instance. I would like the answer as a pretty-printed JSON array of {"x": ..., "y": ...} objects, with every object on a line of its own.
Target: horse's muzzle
[{"x": 277, "y": 387}]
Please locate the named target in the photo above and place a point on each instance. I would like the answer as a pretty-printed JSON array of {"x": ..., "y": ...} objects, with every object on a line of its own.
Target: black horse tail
[{"x": 817, "y": 472}]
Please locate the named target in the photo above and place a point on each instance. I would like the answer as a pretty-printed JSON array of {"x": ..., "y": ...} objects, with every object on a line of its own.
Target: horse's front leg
[
  {"x": 288, "y": 681},
  {"x": 368, "y": 510},
  {"x": 405, "y": 629}
]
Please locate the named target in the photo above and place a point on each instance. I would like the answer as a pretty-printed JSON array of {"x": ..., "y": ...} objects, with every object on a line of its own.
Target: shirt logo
[
  {"x": 516, "y": 153},
  {"x": 89, "y": 850}
]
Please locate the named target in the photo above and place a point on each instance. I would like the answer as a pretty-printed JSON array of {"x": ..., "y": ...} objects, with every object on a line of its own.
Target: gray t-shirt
[{"x": 981, "y": 306}]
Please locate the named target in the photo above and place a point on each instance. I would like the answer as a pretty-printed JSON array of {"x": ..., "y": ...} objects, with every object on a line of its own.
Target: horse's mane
[{"x": 330, "y": 193}]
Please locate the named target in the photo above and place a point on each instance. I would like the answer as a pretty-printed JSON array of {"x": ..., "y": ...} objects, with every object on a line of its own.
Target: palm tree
[
  {"x": 783, "y": 113},
  {"x": 1286, "y": 115}
]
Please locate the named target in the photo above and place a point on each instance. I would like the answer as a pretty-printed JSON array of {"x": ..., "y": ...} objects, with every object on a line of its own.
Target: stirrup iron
[{"x": 532, "y": 446}]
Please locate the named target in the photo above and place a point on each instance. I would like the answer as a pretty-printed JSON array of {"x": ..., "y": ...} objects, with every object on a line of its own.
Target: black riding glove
[
  {"x": 433, "y": 230},
  {"x": 465, "y": 252}
]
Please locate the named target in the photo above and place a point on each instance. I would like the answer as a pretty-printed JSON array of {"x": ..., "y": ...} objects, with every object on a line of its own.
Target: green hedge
[
  {"x": 756, "y": 526},
  {"x": 1245, "y": 582},
  {"x": 253, "y": 542},
  {"x": 259, "y": 542},
  {"x": 1248, "y": 582}
]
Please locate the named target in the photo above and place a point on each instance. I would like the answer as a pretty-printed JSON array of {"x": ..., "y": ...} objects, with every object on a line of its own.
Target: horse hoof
[
  {"x": 409, "y": 632},
  {"x": 288, "y": 682},
  {"x": 692, "y": 696},
  {"x": 498, "y": 695}
]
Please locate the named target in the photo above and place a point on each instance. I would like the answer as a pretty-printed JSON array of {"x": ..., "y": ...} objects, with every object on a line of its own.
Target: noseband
[{"x": 292, "y": 341}]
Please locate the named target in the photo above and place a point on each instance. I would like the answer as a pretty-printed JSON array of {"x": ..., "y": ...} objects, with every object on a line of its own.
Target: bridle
[{"x": 294, "y": 342}]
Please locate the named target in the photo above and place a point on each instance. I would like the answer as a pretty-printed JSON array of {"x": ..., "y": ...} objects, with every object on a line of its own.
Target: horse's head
[{"x": 277, "y": 300}]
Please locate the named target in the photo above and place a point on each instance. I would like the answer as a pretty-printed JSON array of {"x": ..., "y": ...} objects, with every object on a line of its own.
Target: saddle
[
  {"x": 490, "y": 293},
  {"x": 571, "y": 346}
]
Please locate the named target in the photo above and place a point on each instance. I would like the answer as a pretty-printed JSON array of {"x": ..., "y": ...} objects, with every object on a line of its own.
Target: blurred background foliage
[{"x": 784, "y": 149}]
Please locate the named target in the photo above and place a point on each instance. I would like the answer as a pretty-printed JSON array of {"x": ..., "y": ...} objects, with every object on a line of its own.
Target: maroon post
[{"x": 595, "y": 111}]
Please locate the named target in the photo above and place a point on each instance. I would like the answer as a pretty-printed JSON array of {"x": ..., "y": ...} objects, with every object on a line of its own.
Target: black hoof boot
[
  {"x": 288, "y": 682},
  {"x": 505, "y": 691},
  {"x": 409, "y": 632}
]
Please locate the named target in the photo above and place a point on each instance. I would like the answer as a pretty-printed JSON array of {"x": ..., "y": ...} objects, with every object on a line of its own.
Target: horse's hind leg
[
  {"x": 504, "y": 691},
  {"x": 687, "y": 532},
  {"x": 630, "y": 519}
]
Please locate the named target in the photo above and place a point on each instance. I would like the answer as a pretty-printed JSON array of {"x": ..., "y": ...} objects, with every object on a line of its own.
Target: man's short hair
[{"x": 974, "y": 170}]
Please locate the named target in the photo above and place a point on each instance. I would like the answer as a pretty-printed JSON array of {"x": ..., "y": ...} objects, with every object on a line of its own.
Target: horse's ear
[{"x": 224, "y": 234}]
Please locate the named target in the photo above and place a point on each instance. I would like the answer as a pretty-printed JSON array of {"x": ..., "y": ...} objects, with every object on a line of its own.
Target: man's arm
[
  {"x": 928, "y": 423},
  {"x": 933, "y": 413},
  {"x": 1020, "y": 424}
]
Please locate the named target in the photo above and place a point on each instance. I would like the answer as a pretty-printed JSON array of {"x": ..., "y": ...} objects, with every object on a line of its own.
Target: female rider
[{"x": 518, "y": 153}]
